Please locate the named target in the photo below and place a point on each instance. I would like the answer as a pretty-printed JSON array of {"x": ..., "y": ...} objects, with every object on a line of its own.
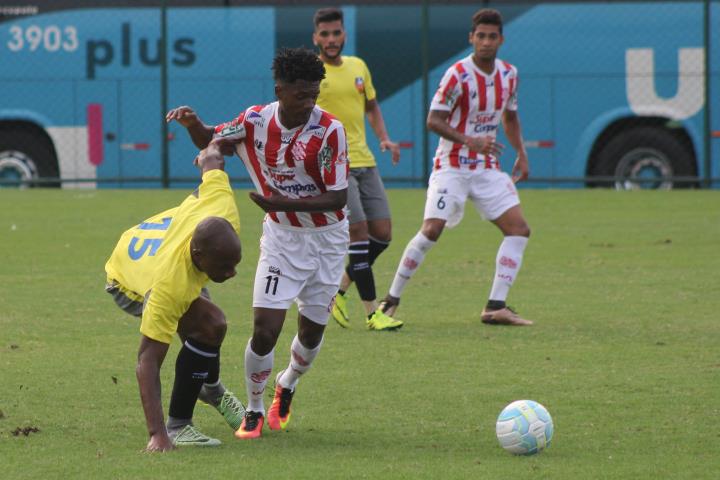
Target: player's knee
[
  {"x": 263, "y": 340},
  {"x": 212, "y": 328},
  {"x": 431, "y": 231}
]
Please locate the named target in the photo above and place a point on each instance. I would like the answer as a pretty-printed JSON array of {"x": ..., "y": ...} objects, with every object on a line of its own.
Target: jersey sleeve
[
  {"x": 512, "y": 103},
  {"x": 448, "y": 91},
  {"x": 370, "y": 93},
  {"x": 333, "y": 158},
  {"x": 233, "y": 127}
]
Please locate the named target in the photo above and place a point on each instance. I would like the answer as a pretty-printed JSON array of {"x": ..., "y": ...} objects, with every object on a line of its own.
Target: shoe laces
[
  {"x": 191, "y": 434},
  {"x": 286, "y": 396},
  {"x": 251, "y": 420},
  {"x": 229, "y": 403}
]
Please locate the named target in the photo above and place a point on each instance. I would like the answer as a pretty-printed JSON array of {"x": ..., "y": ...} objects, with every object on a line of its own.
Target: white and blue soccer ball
[{"x": 524, "y": 427}]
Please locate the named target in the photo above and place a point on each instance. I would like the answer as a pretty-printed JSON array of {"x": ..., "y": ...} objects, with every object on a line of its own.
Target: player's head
[
  {"x": 486, "y": 33},
  {"x": 297, "y": 73},
  {"x": 215, "y": 248},
  {"x": 329, "y": 34}
]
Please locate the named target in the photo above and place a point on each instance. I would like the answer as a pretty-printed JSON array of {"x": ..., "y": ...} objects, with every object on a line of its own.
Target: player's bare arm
[
  {"x": 210, "y": 158},
  {"x": 150, "y": 359},
  {"x": 513, "y": 132},
  {"x": 437, "y": 121},
  {"x": 200, "y": 134},
  {"x": 277, "y": 202},
  {"x": 374, "y": 116}
]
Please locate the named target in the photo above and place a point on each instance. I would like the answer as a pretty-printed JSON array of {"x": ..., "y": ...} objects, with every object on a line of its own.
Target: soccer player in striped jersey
[
  {"x": 296, "y": 155},
  {"x": 158, "y": 271},
  {"x": 475, "y": 95}
]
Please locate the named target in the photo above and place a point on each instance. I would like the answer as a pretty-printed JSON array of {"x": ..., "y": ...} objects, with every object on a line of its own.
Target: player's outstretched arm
[
  {"x": 277, "y": 202},
  {"x": 200, "y": 134},
  {"x": 210, "y": 158},
  {"x": 150, "y": 359},
  {"x": 377, "y": 122}
]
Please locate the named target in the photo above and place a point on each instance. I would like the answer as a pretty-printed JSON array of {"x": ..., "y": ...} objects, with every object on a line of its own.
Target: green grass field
[{"x": 625, "y": 353}]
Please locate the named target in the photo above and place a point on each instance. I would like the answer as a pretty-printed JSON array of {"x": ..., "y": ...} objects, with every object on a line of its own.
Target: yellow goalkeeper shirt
[
  {"x": 154, "y": 256},
  {"x": 343, "y": 93}
]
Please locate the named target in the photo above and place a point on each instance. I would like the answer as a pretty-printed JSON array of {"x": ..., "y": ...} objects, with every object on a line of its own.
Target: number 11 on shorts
[{"x": 271, "y": 280}]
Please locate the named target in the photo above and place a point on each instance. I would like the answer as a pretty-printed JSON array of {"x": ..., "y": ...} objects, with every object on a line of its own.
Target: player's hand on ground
[
  {"x": 271, "y": 203},
  {"x": 521, "y": 169},
  {"x": 160, "y": 442},
  {"x": 485, "y": 145},
  {"x": 394, "y": 150},
  {"x": 184, "y": 115}
]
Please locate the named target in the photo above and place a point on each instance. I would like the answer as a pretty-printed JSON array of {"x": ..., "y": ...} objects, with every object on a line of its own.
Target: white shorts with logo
[
  {"x": 492, "y": 191},
  {"x": 302, "y": 265}
]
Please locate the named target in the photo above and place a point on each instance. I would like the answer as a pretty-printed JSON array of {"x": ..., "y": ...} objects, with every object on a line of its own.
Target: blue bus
[{"x": 611, "y": 93}]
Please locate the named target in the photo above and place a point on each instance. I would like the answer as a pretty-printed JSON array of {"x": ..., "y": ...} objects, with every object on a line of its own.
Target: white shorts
[
  {"x": 492, "y": 191},
  {"x": 300, "y": 265}
]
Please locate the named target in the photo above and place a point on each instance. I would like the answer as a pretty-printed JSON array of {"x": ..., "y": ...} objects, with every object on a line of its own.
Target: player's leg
[
  {"x": 313, "y": 301},
  {"x": 277, "y": 284},
  {"x": 444, "y": 206},
  {"x": 357, "y": 251},
  {"x": 303, "y": 351},
  {"x": 495, "y": 196},
  {"x": 202, "y": 329},
  {"x": 213, "y": 391}
]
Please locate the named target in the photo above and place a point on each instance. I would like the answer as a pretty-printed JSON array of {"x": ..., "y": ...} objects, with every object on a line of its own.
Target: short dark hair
[
  {"x": 291, "y": 64},
  {"x": 330, "y": 14},
  {"x": 487, "y": 16}
]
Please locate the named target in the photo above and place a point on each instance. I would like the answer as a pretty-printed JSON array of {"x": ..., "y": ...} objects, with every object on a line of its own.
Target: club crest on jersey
[
  {"x": 259, "y": 144},
  {"x": 325, "y": 158},
  {"x": 360, "y": 84},
  {"x": 298, "y": 151}
]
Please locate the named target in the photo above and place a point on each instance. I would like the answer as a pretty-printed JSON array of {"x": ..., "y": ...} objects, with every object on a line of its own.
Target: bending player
[{"x": 158, "y": 271}]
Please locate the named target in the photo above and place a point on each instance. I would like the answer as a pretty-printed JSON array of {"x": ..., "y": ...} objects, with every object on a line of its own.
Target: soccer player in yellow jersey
[
  {"x": 158, "y": 271},
  {"x": 347, "y": 92}
]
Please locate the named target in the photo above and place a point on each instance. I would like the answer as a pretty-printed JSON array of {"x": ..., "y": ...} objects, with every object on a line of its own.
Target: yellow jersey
[
  {"x": 343, "y": 93},
  {"x": 154, "y": 256}
]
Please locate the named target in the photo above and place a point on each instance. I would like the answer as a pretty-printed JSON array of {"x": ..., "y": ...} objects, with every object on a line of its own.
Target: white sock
[
  {"x": 507, "y": 265},
  {"x": 301, "y": 359},
  {"x": 257, "y": 371},
  {"x": 412, "y": 257}
]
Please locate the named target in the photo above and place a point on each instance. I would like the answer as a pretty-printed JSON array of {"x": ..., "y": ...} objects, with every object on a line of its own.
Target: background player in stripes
[
  {"x": 158, "y": 271},
  {"x": 474, "y": 96},
  {"x": 296, "y": 155},
  {"x": 348, "y": 93}
]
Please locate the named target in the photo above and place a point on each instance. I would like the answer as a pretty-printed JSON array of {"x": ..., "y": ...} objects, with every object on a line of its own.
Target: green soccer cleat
[
  {"x": 232, "y": 410},
  {"x": 189, "y": 436},
  {"x": 380, "y": 321},
  {"x": 340, "y": 311}
]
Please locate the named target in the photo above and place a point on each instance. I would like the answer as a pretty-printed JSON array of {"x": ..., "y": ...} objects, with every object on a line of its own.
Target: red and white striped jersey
[
  {"x": 303, "y": 162},
  {"x": 476, "y": 102}
]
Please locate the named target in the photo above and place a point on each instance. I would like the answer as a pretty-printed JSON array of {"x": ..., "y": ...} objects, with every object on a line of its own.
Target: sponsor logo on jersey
[
  {"x": 317, "y": 130},
  {"x": 468, "y": 161},
  {"x": 325, "y": 157},
  {"x": 286, "y": 139},
  {"x": 296, "y": 188},
  {"x": 256, "y": 119},
  {"x": 274, "y": 270},
  {"x": 505, "y": 73},
  {"x": 232, "y": 128},
  {"x": 360, "y": 84},
  {"x": 282, "y": 175}
]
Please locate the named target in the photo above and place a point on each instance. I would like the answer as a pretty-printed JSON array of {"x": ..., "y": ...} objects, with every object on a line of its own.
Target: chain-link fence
[{"x": 610, "y": 93}]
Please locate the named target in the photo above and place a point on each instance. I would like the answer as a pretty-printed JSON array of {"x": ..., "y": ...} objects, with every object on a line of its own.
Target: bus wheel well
[
  {"x": 627, "y": 144},
  {"x": 27, "y": 152}
]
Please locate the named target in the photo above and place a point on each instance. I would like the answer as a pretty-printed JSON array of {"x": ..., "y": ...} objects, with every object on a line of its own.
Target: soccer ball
[{"x": 524, "y": 427}]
